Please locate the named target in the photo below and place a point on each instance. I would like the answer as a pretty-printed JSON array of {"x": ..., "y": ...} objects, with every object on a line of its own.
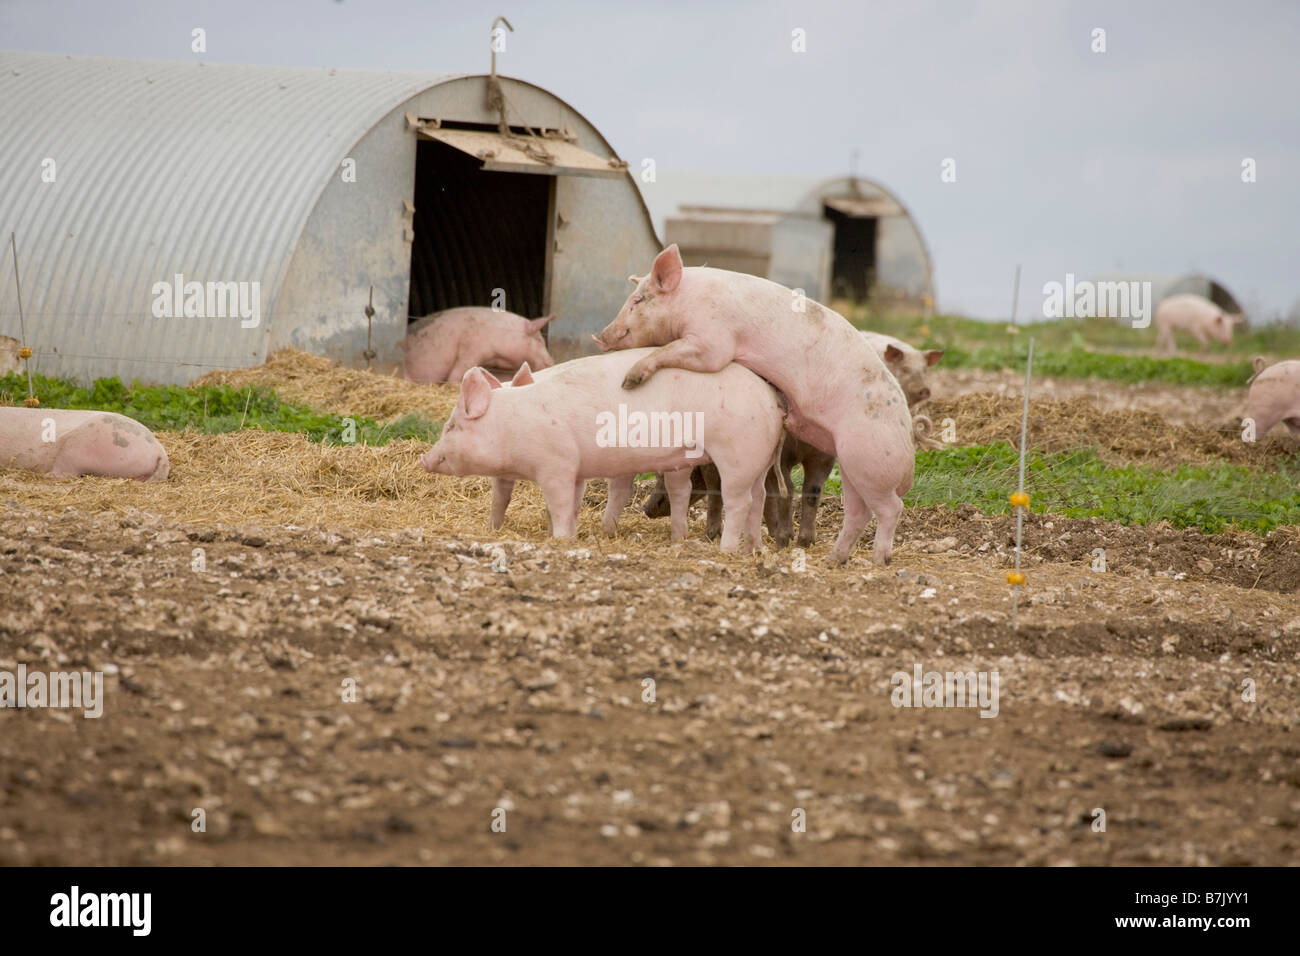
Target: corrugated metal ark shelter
[
  {"x": 878, "y": 253},
  {"x": 226, "y": 173},
  {"x": 785, "y": 247}
]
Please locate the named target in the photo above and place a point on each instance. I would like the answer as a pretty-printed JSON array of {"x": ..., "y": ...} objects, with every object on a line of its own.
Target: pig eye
[{"x": 638, "y": 300}]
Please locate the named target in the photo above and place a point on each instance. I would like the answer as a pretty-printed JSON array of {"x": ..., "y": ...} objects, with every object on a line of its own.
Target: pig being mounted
[
  {"x": 841, "y": 399},
  {"x": 441, "y": 347},
  {"x": 576, "y": 423}
]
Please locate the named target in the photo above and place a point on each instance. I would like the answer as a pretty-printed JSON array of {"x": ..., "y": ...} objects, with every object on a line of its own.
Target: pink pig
[
  {"x": 1275, "y": 397},
  {"x": 841, "y": 398},
  {"x": 72, "y": 442},
  {"x": 441, "y": 347},
  {"x": 576, "y": 423},
  {"x": 1197, "y": 316}
]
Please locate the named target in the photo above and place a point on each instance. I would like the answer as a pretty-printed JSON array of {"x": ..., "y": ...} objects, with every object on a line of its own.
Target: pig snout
[{"x": 432, "y": 459}]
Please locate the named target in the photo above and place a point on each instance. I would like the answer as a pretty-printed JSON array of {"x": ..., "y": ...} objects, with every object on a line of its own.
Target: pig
[
  {"x": 840, "y": 397},
  {"x": 905, "y": 363},
  {"x": 1195, "y": 315},
  {"x": 1274, "y": 397},
  {"x": 441, "y": 347},
  {"x": 65, "y": 443},
  {"x": 560, "y": 430}
]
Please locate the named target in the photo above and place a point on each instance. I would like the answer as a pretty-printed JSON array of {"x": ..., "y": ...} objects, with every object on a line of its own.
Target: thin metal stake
[
  {"x": 22, "y": 323},
  {"x": 1015, "y": 295},
  {"x": 1020, "y": 509}
]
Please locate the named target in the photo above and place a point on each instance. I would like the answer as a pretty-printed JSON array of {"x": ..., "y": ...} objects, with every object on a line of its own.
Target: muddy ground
[{"x": 508, "y": 681}]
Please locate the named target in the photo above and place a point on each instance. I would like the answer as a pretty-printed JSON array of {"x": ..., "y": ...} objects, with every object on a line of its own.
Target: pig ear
[
  {"x": 932, "y": 357},
  {"x": 893, "y": 354},
  {"x": 635, "y": 280},
  {"x": 522, "y": 377},
  {"x": 539, "y": 324},
  {"x": 667, "y": 269},
  {"x": 476, "y": 392}
]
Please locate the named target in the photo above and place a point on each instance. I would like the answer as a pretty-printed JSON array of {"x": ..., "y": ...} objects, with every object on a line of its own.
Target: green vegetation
[
  {"x": 1078, "y": 484},
  {"x": 1069, "y": 348},
  {"x": 210, "y": 409},
  {"x": 1076, "y": 362}
]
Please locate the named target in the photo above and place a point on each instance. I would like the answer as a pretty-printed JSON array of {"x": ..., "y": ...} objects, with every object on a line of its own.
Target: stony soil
[{"x": 510, "y": 681}]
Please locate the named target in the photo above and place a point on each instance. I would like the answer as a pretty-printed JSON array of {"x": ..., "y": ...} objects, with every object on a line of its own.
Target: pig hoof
[{"x": 633, "y": 378}]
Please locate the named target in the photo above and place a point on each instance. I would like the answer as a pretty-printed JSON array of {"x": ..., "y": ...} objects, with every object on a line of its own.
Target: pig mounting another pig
[
  {"x": 1274, "y": 397},
  {"x": 66, "y": 443},
  {"x": 906, "y": 363},
  {"x": 841, "y": 399},
  {"x": 1197, "y": 316},
  {"x": 577, "y": 423},
  {"x": 443, "y": 346}
]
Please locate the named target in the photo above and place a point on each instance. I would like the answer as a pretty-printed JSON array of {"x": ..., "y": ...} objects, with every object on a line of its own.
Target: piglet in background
[
  {"x": 1196, "y": 316},
  {"x": 443, "y": 346}
]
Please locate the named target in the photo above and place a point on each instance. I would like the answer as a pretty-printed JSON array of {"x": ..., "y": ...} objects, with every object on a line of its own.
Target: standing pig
[
  {"x": 1275, "y": 397},
  {"x": 841, "y": 398},
  {"x": 443, "y": 346},
  {"x": 577, "y": 423},
  {"x": 904, "y": 362},
  {"x": 1195, "y": 315},
  {"x": 65, "y": 443}
]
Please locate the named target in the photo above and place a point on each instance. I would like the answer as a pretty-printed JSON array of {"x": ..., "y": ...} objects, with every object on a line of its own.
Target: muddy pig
[
  {"x": 65, "y": 443},
  {"x": 577, "y": 423},
  {"x": 841, "y": 399},
  {"x": 1196, "y": 316},
  {"x": 905, "y": 363},
  {"x": 1274, "y": 397},
  {"x": 441, "y": 347}
]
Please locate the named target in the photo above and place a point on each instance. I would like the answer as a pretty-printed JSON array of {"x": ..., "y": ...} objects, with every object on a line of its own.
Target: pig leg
[
  {"x": 737, "y": 498},
  {"x": 777, "y": 510},
  {"x": 713, "y": 502},
  {"x": 816, "y": 469},
  {"x": 620, "y": 493},
  {"x": 579, "y": 490},
  {"x": 558, "y": 491},
  {"x": 502, "y": 489},
  {"x": 754, "y": 527},
  {"x": 679, "y": 501},
  {"x": 681, "y": 353},
  {"x": 856, "y": 515}
]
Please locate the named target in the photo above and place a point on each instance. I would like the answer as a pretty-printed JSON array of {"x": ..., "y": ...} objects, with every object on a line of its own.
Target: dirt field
[{"x": 505, "y": 678}]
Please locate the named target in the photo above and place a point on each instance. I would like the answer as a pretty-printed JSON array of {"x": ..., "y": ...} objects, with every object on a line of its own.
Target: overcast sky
[{"x": 1067, "y": 160}]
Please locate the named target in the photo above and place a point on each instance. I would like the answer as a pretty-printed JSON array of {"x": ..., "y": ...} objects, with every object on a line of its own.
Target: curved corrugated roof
[{"x": 237, "y": 158}]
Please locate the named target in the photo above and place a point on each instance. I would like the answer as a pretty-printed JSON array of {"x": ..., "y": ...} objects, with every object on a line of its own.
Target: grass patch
[
  {"x": 1076, "y": 362},
  {"x": 211, "y": 409},
  {"x": 1078, "y": 484},
  {"x": 944, "y": 331}
]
